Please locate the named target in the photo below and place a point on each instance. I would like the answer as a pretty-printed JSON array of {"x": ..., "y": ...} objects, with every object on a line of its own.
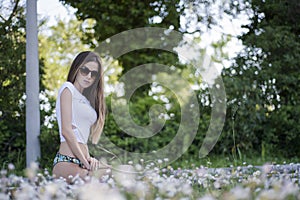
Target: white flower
[
  {"x": 217, "y": 184},
  {"x": 4, "y": 196},
  {"x": 187, "y": 189},
  {"x": 201, "y": 172},
  {"x": 130, "y": 162},
  {"x": 288, "y": 189},
  {"x": 94, "y": 190},
  {"x": 267, "y": 168},
  {"x": 167, "y": 188},
  {"x": 125, "y": 175},
  {"x": 138, "y": 167},
  {"x": 3, "y": 172},
  {"x": 141, "y": 189},
  {"x": 206, "y": 197},
  {"x": 268, "y": 194},
  {"x": 32, "y": 170},
  {"x": 257, "y": 173},
  {"x": 11, "y": 166},
  {"x": 26, "y": 191},
  {"x": 240, "y": 193}
]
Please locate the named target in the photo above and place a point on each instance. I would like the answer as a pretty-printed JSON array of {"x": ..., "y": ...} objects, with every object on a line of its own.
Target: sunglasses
[{"x": 85, "y": 71}]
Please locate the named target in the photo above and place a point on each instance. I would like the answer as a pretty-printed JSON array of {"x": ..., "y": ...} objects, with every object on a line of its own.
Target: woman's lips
[{"x": 87, "y": 82}]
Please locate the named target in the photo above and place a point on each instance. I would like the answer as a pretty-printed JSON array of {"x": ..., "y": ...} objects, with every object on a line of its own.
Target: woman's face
[{"x": 87, "y": 74}]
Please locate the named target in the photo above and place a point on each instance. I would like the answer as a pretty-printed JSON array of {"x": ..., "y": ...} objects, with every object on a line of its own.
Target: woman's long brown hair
[{"x": 94, "y": 93}]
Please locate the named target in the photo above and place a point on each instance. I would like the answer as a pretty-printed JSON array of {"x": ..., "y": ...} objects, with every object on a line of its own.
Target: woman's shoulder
[{"x": 68, "y": 85}]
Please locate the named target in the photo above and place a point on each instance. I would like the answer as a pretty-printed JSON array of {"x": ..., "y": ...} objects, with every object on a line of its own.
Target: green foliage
[
  {"x": 113, "y": 17},
  {"x": 115, "y": 138},
  {"x": 57, "y": 47},
  {"x": 49, "y": 135},
  {"x": 12, "y": 82},
  {"x": 118, "y": 16},
  {"x": 263, "y": 84}
]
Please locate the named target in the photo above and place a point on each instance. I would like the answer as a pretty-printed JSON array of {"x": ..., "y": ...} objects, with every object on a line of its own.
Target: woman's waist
[
  {"x": 82, "y": 137},
  {"x": 66, "y": 150}
]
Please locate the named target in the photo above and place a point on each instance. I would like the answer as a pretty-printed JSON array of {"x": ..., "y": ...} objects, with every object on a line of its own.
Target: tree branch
[{"x": 14, "y": 10}]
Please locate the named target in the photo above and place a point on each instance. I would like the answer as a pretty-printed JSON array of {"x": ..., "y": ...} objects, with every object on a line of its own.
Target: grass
[
  {"x": 152, "y": 182},
  {"x": 220, "y": 161}
]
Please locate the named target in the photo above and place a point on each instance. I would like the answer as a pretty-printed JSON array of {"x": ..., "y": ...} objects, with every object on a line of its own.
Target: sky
[{"x": 53, "y": 9}]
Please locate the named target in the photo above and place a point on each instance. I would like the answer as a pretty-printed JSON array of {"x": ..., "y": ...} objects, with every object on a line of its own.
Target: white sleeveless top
[{"x": 83, "y": 114}]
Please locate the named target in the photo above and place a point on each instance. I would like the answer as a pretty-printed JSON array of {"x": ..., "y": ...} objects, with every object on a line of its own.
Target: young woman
[{"x": 80, "y": 110}]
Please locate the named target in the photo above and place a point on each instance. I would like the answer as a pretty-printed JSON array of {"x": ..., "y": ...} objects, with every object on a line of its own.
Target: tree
[
  {"x": 58, "y": 47},
  {"x": 118, "y": 16},
  {"x": 12, "y": 81},
  {"x": 113, "y": 17},
  {"x": 263, "y": 83}
]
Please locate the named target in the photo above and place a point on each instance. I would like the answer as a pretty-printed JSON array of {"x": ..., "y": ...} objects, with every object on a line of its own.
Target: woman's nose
[{"x": 89, "y": 75}]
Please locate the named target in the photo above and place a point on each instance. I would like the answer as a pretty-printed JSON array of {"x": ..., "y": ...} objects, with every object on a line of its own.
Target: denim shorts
[{"x": 64, "y": 158}]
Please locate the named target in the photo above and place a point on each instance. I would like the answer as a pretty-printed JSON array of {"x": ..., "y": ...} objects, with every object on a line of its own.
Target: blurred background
[{"x": 255, "y": 45}]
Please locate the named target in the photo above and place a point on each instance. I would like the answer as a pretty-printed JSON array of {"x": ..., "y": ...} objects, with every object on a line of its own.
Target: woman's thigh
[{"x": 66, "y": 169}]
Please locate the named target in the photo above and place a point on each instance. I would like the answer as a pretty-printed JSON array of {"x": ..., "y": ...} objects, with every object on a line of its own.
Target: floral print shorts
[{"x": 64, "y": 158}]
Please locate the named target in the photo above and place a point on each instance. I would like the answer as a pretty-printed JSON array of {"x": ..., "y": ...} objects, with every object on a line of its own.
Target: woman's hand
[
  {"x": 87, "y": 165},
  {"x": 94, "y": 163}
]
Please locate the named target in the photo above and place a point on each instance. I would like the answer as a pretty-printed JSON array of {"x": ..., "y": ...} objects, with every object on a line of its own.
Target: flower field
[{"x": 151, "y": 182}]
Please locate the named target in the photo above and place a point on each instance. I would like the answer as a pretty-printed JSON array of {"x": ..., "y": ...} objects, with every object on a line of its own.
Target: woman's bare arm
[{"x": 66, "y": 124}]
